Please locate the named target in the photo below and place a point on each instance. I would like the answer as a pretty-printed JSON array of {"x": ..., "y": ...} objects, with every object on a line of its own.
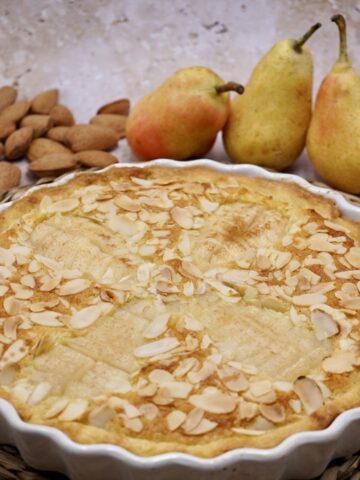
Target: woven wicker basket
[{"x": 13, "y": 467}]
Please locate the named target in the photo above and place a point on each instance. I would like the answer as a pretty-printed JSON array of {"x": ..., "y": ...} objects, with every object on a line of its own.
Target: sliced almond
[
  {"x": 88, "y": 315},
  {"x": 156, "y": 348},
  {"x": 46, "y": 319},
  {"x": 205, "y": 426},
  {"x": 58, "y": 134},
  {"x": 149, "y": 411},
  {"x": 275, "y": 412},
  {"x": 175, "y": 419},
  {"x": 56, "y": 408},
  {"x": 182, "y": 217},
  {"x": 308, "y": 299},
  {"x": 45, "y": 101},
  {"x": 17, "y": 143},
  {"x": 193, "y": 419},
  {"x": 353, "y": 257},
  {"x": 217, "y": 403},
  {"x": 95, "y": 158},
  {"x": 341, "y": 362},
  {"x": 74, "y": 286},
  {"x": 189, "y": 270},
  {"x": 114, "y": 121},
  {"x": 118, "y": 107},
  {"x": 133, "y": 424},
  {"x": 233, "y": 379},
  {"x": 325, "y": 326},
  {"x": 15, "y": 112},
  {"x": 8, "y": 96},
  {"x": 248, "y": 431},
  {"x": 45, "y": 146},
  {"x": 53, "y": 164},
  {"x": 309, "y": 393},
  {"x": 74, "y": 410},
  {"x": 61, "y": 116},
  {"x": 90, "y": 137},
  {"x": 160, "y": 376},
  {"x": 9, "y": 176},
  {"x": 40, "y": 392},
  {"x": 201, "y": 375},
  {"x": 248, "y": 410},
  {"x": 100, "y": 416},
  {"x": 16, "y": 352}
]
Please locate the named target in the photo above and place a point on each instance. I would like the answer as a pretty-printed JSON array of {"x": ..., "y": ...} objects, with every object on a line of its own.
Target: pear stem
[
  {"x": 300, "y": 41},
  {"x": 341, "y": 23},
  {"x": 230, "y": 87}
]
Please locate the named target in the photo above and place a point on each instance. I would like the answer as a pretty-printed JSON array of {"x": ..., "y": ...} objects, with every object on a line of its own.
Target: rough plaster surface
[{"x": 99, "y": 50}]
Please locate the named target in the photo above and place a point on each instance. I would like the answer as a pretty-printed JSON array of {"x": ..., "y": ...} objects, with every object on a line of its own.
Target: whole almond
[
  {"x": 39, "y": 123},
  {"x": 17, "y": 144},
  {"x": 9, "y": 176},
  {"x": 115, "y": 122},
  {"x": 53, "y": 164},
  {"x": 7, "y": 96},
  {"x": 6, "y": 128},
  {"x": 15, "y": 112},
  {"x": 62, "y": 116},
  {"x": 44, "y": 102},
  {"x": 95, "y": 158},
  {"x": 118, "y": 107},
  {"x": 2, "y": 150},
  {"x": 58, "y": 134},
  {"x": 44, "y": 146},
  {"x": 90, "y": 137}
]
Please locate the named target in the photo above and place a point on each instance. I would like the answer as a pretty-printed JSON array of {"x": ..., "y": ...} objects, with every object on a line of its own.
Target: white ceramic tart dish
[{"x": 169, "y": 320}]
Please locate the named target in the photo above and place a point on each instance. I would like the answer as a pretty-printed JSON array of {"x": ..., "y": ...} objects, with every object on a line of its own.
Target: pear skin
[
  {"x": 333, "y": 140},
  {"x": 181, "y": 118},
  {"x": 267, "y": 124}
]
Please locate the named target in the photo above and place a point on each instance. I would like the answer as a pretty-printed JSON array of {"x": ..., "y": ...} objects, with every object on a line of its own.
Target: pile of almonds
[{"x": 44, "y": 131}]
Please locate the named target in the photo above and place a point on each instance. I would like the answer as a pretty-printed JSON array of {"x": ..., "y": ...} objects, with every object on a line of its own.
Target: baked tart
[{"x": 178, "y": 310}]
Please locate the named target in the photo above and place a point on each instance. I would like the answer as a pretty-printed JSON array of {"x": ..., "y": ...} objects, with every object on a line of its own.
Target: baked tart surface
[{"x": 178, "y": 310}]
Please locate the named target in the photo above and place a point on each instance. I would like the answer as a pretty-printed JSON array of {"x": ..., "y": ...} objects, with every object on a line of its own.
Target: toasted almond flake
[
  {"x": 149, "y": 411},
  {"x": 22, "y": 390},
  {"x": 74, "y": 410},
  {"x": 157, "y": 327},
  {"x": 49, "y": 283},
  {"x": 184, "y": 244},
  {"x": 7, "y": 257},
  {"x": 28, "y": 281},
  {"x": 3, "y": 290},
  {"x": 189, "y": 270},
  {"x": 192, "y": 324},
  {"x": 100, "y": 416},
  {"x": 220, "y": 287},
  {"x": 325, "y": 326},
  {"x": 127, "y": 203},
  {"x": 248, "y": 369},
  {"x": 275, "y": 412},
  {"x": 185, "y": 366},
  {"x": 341, "y": 362},
  {"x": 163, "y": 397},
  {"x": 16, "y": 352},
  {"x": 178, "y": 389},
  {"x": 160, "y": 376},
  {"x": 205, "y": 426},
  {"x": 353, "y": 257},
  {"x": 182, "y": 216},
  {"x": 133, "y": 424},
  {"x": 40, "y": 392},
  {"x": 309, "y": 393},
  {"x": 87, "y": 316},
  {"x": 260, "y": 387},
  {"x": 143, "y": 182},
  {"x": 46, "y": 319},
  {"x": 157, "y": 347},
  {"x": 281, "y": 386},
  {"x": 205, "y": 372},
  {"x": 233, "y": 379},
  {"x": 65, "y": 205},
  {"x": 122, "y": 224},
  {"x": 205, "y": 342},
  {"x": 166, "y": 287},
  {"x": 351, "y": 303},
  {"x": 295, "y": 405},
  {"x": 175, "y": 419},
  {"x": 148, "y": 390},
  {"x": 308, "y": 299},
  {"x": 12, "y": 306},
  {"x": 207, "y": 206},
  {"x": 217, "y": 403},
  {"x": 248, "y": 410},
  {"x": 247, "y": 431},
  {"x": 188, "y": 289},
  {"x": 130, "y": 410},
  {"x": 74, "y": 286},
  {"x": 122, "y": 386},
  {"x": 193, "y": 419},
  {"x": 10, "y": 327},
  {"x": 56, "y": 408},
  {"x": 34, "y": 266}
]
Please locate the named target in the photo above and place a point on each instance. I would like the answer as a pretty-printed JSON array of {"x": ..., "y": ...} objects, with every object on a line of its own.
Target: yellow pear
[
  {"x": 267, "y": 124},
  {"x": 333, "y": 141},
  {"x": 181, "y": 118}
]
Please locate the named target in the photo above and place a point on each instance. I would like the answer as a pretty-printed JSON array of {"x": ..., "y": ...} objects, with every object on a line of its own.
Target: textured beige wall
[{"x": 98, "y": 50}]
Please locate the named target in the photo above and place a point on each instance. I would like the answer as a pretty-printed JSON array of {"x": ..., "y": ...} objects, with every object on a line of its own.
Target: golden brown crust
[{"x": 259, "y": 216}]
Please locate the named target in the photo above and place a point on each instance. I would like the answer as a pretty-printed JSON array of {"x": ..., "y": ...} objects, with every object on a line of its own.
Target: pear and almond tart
[{"x": 178, "y": 310}]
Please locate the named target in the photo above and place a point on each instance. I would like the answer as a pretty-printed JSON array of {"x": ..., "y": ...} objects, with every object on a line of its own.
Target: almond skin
[
  {"x": 118, "y": 107},
  {"x": 6, "y": 129},
  {"x": 116, "y": 122},
  {"x": 90, "y": 137},
  {"x": 17, "y": 144},
  {"x": 58, "y": 134},
  {"x": 44, "y": 146},
  {"x": 53, "y": 164},
  {"x": 9, "y": 176},
  {"x": 39, "y": 123},
  {"x": 7, "y": 96},
  {"x": 15, "y": 112},
  {"x": 45, "y": 101},
  {"x": 95, "y": 158},
  {"x": 62, "y": 116},
  {"x": 2, "y": 150}
]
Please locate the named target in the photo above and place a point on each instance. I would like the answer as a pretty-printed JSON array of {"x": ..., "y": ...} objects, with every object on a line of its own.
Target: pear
[
  {"x": 181, "y": 118},
  {"x": 267, "y": 125},
  {"x": 333, "y": 140}
]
